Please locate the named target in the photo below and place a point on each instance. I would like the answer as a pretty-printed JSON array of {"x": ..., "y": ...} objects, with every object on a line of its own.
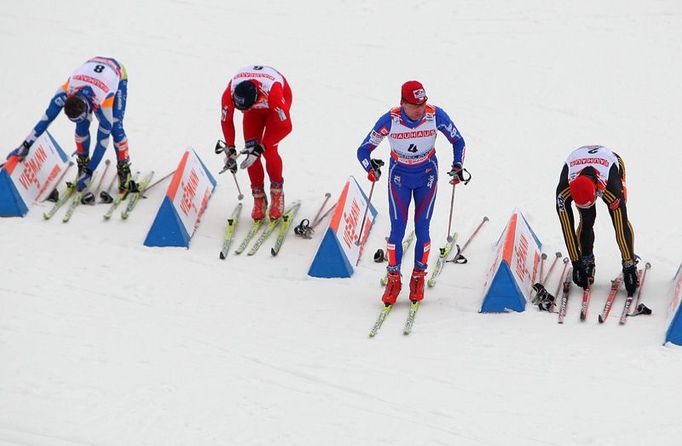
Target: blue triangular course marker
[
  {"x": 330, "y": 261},
  {"x": 167, "y": 229},
  {"x": 11, "y": 203},
  {"x": 503, "y": 294}
]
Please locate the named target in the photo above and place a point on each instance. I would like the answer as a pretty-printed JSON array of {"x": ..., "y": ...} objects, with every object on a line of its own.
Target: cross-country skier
[
  {"x": 413, "y": 172},
  {"x": 100, "y": 88},
  {"x": 263, "y": 95},
  {"x": 591, "y": 172}
]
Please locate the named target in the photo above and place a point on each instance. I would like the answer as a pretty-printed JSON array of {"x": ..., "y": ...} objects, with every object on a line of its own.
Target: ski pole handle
[{"x": 364, "y": 217}]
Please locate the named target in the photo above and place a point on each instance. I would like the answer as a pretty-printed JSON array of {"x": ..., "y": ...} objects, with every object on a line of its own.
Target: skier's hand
[
  {"x": 580, "y": 274},
  {"x": 230, "y": 160},
  {"x": 375, "y": 172},
  {"x": 457, "y": 173},
  {"x": 252, "y": 150},
  {"x": 630, "y": 277},
  {"x": 21, "y": 152},
  {"x": 84, "y": 179}
]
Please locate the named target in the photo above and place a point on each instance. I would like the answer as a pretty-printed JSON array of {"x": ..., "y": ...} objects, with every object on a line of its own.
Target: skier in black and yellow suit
[{"x": 591, "y": 172}]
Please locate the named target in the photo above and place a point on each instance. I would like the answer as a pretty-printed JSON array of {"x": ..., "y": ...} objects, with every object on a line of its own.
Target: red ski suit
[{"x": 267, "y": 121}]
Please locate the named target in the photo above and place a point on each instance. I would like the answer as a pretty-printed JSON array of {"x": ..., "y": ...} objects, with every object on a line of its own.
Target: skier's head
[
  {"x": 76, "y": 107},
  {"x": 584, "y": 190},
  {"x": 244, "y": 95},
  {"x": 413, "y": 93}
]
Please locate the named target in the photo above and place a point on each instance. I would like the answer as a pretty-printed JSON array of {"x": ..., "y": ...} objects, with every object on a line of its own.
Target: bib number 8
[{"x": 98, "y": 68}]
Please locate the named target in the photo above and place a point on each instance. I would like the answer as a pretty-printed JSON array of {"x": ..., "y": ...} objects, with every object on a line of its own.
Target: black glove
[
  {"x": 457, "y": 173},
  {"x": 580, "y": 277},
  {"x": 375, "y": 172},
  {"x": 630, "y": 277},
  {"x": 252, "y": 150}
]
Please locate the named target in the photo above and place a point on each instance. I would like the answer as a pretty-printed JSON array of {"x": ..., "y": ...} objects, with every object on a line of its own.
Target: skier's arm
[
  {"x": 105, "y": 116},
  {"x": 614, "y": 197},
  {"x": 373, "y": 139},
  {"x": 445, "y": 125},
  {"x": 56, "y": 105},
  {"x": 280, "y": 124},
  {"x": 565, "y": 212},
  {"x": 226, "y": 121}
]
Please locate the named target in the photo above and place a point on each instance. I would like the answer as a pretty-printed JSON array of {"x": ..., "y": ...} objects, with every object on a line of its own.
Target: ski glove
[
  {"x": 230, "y": 160},
  {"x": 252, "y": 150},
  {"x": 21, "y": 152},
  {"x": 630, "y": 277},
  {"x": 457, "y": 173},
  {"x": 580, "y": 277},
  {"x": 374, "y": 172}
]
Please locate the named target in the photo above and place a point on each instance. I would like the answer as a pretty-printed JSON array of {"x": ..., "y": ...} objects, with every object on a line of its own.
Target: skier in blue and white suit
[
  {"x": 99, "y": 87},
  {"x": 413, "y": 171}
]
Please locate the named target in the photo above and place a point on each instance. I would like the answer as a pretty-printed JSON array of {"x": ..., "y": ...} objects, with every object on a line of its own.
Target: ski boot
[
  {"x": 276, "y": 201},
  {"x": 393, "y": 287},
  {"x": 260, "y": 203},
  {"x": 125, "y": 179},
  {"x": 417, "y": 285},
  {"x": 589, "y": 268}
]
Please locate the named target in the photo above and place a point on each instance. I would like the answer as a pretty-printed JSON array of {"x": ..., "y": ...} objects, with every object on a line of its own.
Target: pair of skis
[
  {"x": 133, "y": 197},
  {"x": 610, "y": 299},
  {"x": 409, "y": 322},
  {"x": 72, "y": 196},
  {"x": 284, "y": 222}
]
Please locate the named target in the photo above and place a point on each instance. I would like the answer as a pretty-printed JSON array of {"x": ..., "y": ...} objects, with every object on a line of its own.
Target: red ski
[
  {"x": 615, "y": 286},
  {"x": 585, "y": 304}
]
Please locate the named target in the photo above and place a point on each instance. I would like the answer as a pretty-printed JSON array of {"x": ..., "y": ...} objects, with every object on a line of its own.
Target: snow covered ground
[{"x": 106, "y": 342}]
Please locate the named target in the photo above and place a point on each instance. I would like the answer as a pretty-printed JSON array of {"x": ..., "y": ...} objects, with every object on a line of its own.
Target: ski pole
[
  {"x": 107, "y": 162},
  {"x": 562, "y": 277},
  {"x": 641, "y": 285},
  {"x": 56, "y": 183},
  {"x": 324, "y": 203},
  {"x": 240, "y": 195},
  {"x": 329, "y": 211},
  {"x": 459, "y": 255},
  {"x": 452, "y": 205},
  {"x": 364, "y": 217},
  {"x": 159, "y": 180},
  {"x": 551, "y": 268},
  {"x": 543, "y": 257}
]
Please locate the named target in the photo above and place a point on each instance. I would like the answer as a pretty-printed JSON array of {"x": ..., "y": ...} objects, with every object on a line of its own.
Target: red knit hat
[
  {"x": 583, "y": 190},
  {"x": 413, "y": 92}
]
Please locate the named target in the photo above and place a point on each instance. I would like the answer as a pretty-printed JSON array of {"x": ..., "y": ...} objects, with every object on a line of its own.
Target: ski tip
[
  {"x": 273, "y": 252},
  {"x": 221, "y": 255},
  {"x": 601, "y": 319}
]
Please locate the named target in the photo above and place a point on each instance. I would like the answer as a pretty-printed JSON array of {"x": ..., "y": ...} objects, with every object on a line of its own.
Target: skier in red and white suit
[{"x": 264, "y": 96}]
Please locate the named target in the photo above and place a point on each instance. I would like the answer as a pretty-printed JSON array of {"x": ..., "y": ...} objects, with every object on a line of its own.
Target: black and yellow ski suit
[{"x": 614, "y": 194}]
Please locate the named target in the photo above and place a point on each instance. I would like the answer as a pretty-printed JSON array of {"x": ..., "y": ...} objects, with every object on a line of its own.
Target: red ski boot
[
  {"x": 277, "y": 201},
  {"x": 260, "y": 203},
  {"x": 392, "y": 288},
  {"x": 417, "y": 285}
]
